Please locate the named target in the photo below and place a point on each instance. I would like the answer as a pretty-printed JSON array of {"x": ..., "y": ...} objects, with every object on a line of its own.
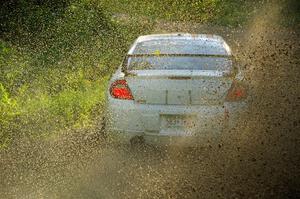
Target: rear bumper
[
  {"x": 162, "y": 140},
  {"x": 130, "y": 119}
]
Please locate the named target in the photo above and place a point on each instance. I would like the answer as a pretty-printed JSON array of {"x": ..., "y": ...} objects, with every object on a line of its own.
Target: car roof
[{"x": 181, "y": 36}]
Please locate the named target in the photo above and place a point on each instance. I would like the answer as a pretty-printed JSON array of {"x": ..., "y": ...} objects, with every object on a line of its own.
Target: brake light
[
  {"x": 120, "y": 90},
  {"x": 236, "y": 92}
]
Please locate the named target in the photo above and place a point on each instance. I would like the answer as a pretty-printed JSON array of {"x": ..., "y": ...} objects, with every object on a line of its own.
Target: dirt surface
[{"x": 259, "y": 159}]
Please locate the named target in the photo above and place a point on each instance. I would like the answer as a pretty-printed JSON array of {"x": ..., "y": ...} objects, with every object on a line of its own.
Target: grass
[
  {"x": 221, "y": 12},
  {"x": 55, "y": 62}
]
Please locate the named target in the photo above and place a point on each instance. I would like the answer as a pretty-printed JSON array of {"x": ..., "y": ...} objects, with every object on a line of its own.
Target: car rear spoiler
[{"x": 125, "y": 60}]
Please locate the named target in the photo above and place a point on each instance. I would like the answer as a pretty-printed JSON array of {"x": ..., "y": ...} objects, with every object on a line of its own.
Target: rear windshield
[
  {"x": 179, "y": 63},
  {"x": 181, "y": 46}
]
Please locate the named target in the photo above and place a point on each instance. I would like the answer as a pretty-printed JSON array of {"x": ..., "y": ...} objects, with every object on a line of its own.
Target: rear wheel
[{"x": 114, "y": 138}]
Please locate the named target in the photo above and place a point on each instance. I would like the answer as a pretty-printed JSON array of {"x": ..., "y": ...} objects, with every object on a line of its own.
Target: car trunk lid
[{"x": 179, "y": 87}]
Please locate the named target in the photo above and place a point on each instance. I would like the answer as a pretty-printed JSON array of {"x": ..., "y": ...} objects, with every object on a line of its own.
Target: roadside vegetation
[
  {"x": 56, "y": 56},
  {"x": 55, "y": 60},
  {"x": 221, "y": 12}
]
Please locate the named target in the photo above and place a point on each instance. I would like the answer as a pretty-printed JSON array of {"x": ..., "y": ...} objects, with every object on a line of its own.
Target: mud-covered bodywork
[{"x": 179, "y": 86}]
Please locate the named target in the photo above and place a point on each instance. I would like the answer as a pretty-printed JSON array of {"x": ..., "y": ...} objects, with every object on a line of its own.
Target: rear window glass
[
  {"x": 181, "y": 46},
  {"x": 179, "y": 63}
]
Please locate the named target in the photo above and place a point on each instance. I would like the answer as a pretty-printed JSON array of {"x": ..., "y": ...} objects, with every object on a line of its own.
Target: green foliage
[
  {"x": 55, "y": 61},
  {"x": 8, "y": 110},
  {"x": 53, "y": 65},
  {"x": 8, "y": 107},
  {"x": 44, "y": 114},
  {"x": 224, "y": 12}
]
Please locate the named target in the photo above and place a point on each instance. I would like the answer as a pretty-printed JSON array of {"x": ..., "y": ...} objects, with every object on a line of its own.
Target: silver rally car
[{"x": 174, "y": 86}]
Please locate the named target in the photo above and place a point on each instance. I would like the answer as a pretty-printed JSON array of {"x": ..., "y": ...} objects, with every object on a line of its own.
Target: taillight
[
  {"x": 120, "y": 90},
  {"x": 236, "y": 92}
]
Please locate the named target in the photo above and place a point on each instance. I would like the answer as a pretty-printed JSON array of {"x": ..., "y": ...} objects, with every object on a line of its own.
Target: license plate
[{"x": 178, "y": 124}]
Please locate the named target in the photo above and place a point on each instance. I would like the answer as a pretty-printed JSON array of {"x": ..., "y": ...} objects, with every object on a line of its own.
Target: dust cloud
[{"x": 258, "y": 159}]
